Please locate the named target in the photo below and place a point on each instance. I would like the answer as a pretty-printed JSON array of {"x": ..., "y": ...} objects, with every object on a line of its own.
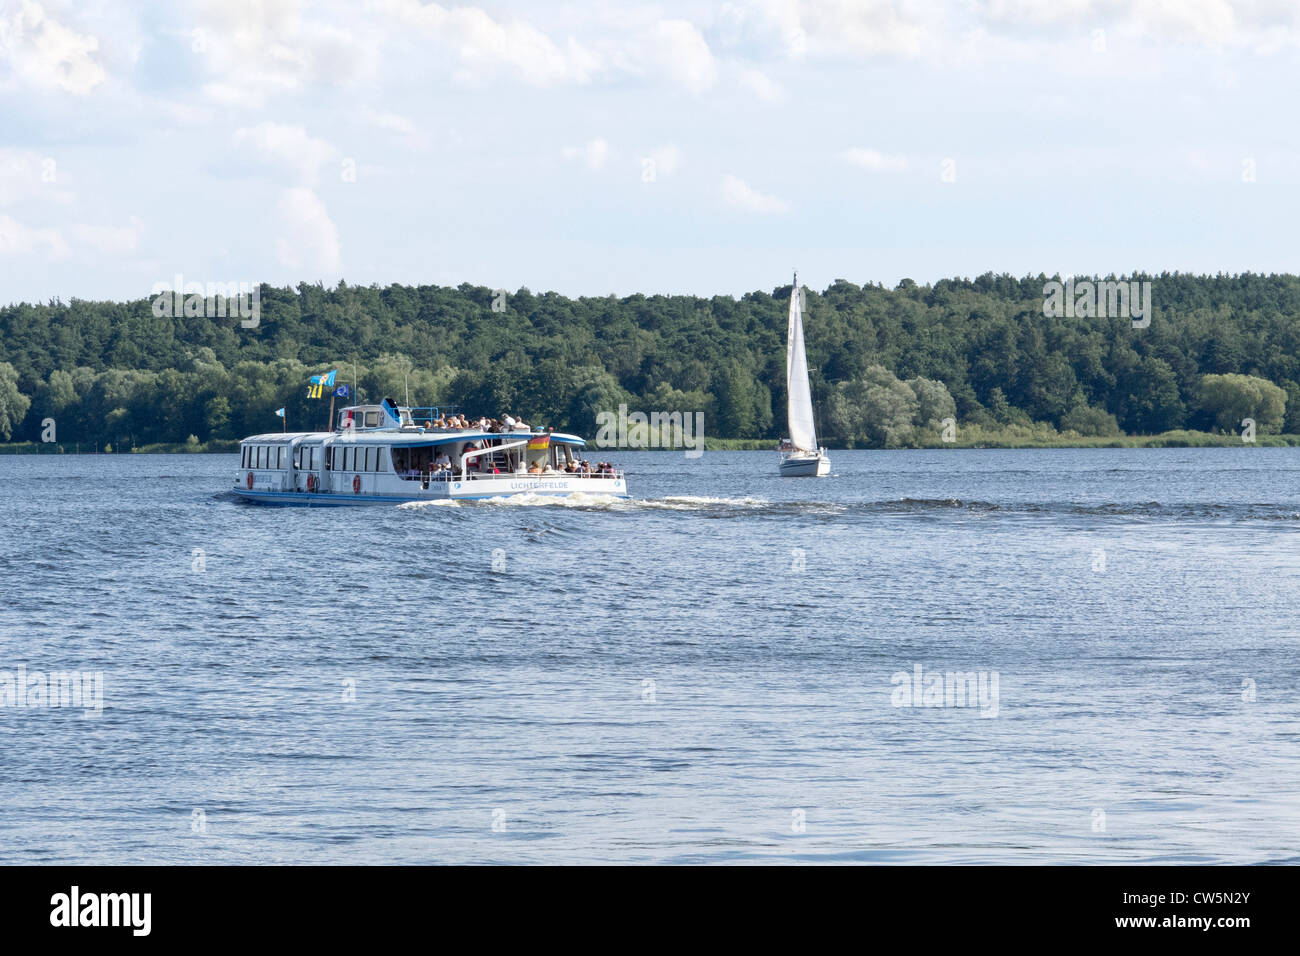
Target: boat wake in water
[{"x": 938, "y": 508}]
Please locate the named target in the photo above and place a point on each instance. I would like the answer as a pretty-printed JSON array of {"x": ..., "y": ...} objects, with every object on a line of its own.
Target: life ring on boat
[
  {"x": 311, "y": 482},
  {"x": 356, "y": 484},
  {"x": 248, "y": 482}
]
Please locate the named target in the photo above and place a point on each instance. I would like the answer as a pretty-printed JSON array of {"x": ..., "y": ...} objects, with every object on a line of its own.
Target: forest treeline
[{"x": 888, "y": 365}]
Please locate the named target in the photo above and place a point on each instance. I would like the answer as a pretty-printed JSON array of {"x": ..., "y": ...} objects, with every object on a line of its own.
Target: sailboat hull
[{"x": 811, "y": 466}]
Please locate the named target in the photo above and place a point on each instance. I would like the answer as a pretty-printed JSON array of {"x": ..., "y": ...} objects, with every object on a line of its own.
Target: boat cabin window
[{"x": 372, "y": 419}]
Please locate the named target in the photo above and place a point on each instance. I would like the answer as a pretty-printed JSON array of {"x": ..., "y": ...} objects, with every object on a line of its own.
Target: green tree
[
  {"x": 13, "y": 403},
  {"x": 1153, "y": 403},
  {"x": 874, "y": 409},
  {"x": 1231, "y": 398},
  {"x": 736, "y": 403},
  {"x": 1090, "y": 421},
  {"x": 217, "y": 417},
  {"x": 934, "y": 403}
]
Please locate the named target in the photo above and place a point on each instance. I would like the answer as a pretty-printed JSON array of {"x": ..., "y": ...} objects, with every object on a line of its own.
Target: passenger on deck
[
  {"x": 535, "y": 468},
  {"x": 442, "y": 462},
  {"x": 508, "y": 423}
]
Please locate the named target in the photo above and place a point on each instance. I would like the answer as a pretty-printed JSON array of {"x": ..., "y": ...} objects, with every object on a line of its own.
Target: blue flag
[
  {"x": 279, "y": 413},
  {"x": 341, "y": 391}
]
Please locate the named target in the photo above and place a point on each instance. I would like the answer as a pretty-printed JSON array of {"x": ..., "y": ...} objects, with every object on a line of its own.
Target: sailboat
[{"x": 800, "y": 455}]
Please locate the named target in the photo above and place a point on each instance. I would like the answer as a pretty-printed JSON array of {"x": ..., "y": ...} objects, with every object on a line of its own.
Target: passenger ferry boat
[{"x": 391, "y": 454}]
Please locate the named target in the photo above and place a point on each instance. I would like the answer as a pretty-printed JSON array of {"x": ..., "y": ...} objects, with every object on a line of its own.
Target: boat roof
[{"x": 407, "y": 437}]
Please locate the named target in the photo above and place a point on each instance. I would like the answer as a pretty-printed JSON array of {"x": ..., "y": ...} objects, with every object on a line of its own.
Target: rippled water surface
[{"x": 701, "y": 674}]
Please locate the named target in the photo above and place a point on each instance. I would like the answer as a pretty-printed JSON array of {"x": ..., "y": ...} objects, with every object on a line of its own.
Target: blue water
[{"x": 701, "y": 674}]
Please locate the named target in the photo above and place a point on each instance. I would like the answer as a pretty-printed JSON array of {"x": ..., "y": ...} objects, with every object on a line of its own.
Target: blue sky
[{"x": 593, "y": 148}]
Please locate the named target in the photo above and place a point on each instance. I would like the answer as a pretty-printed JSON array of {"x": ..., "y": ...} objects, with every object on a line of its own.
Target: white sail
[{"x": 803, "y": 435}]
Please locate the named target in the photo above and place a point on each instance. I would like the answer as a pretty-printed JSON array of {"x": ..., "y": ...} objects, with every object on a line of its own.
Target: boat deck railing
[{"x": 475, "y": 476}]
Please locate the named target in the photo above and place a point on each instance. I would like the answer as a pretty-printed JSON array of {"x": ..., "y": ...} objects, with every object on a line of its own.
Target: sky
[{"x": 597, "y": 148}]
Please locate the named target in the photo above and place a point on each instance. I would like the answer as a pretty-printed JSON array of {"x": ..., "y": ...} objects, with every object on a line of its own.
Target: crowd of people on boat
[
  {"x": 507, "y": 423},
  {"x": 422, "y": 464},
  {"x": 580, "y": 467}
]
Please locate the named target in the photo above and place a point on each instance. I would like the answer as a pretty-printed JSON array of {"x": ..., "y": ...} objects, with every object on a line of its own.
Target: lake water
[{"x": 703, "y": 674}]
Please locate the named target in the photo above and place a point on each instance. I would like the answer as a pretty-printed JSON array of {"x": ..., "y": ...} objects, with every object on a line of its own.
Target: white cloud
[
  {"x": 738, "y": 193},
  {"x": 870, "y": 27},
  {"x": 1209, "y": 23},
  {"x": 48, "y": 54},
  {"x": 288, "y": 149},
  {"x": 874, "y": 160},
  {"x": 484, "y": 44},
  {"x": 636, "y": 44},
  {"x": 594, "y": 154},
  {"x": 793, "y": 29},
  {"x": 667, "y": 160},
  {"x": 986, "y": 29},
  {"x": 760, "y": 84},
  {"x": 308, "y": 238},
  {"x": 677, "y": 50},
  {"x": 19, "y": 239},
  {"x": 26, "y": 175},
  {"x": 393, "y": 122},
  {"x": 253, "y": 49},
  {"x": 111, "y": 240},
  {"x": 404, "y": 129}
]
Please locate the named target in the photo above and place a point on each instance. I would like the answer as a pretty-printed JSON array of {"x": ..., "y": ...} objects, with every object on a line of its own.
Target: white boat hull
[
  {"x": 809, "y": 466},
  {"x": 271, "y": 489}
]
